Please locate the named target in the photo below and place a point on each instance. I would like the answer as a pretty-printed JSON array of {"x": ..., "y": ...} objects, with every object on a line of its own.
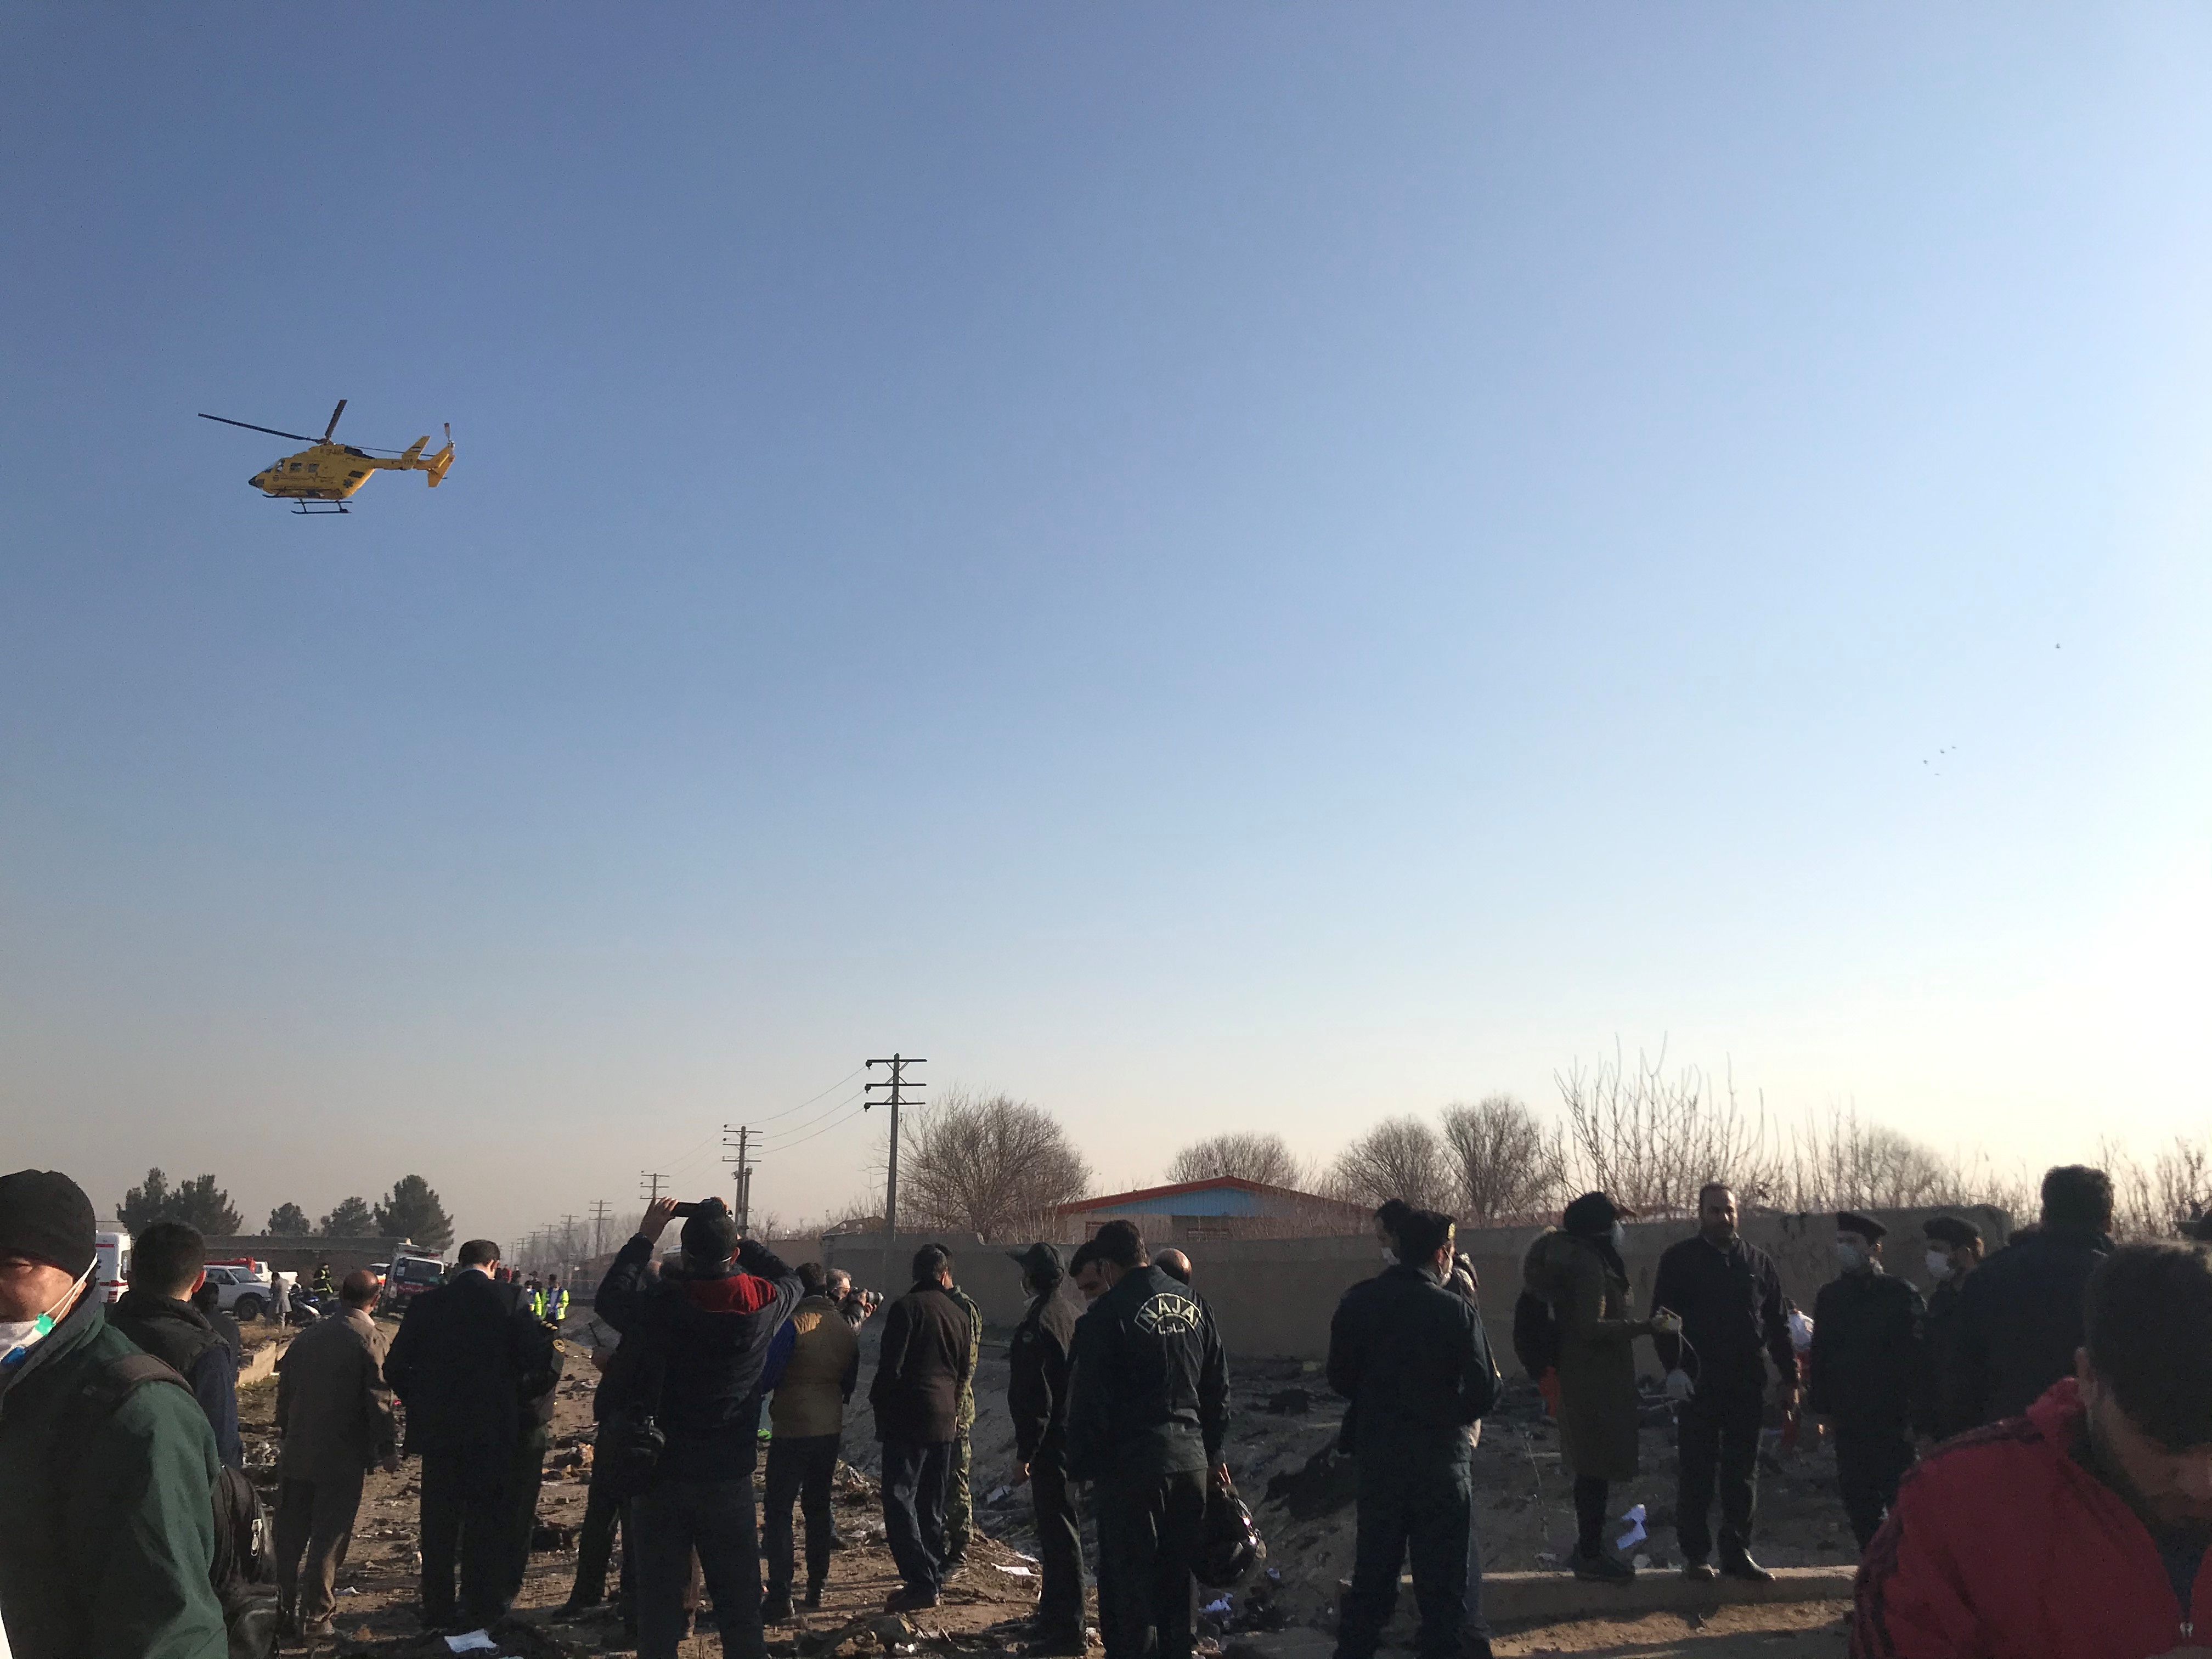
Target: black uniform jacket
[
  {"x": 1411, "y": 1358},
  {"x": 922, "y": 1367},
  {"x": 2018, "y": 1322},
  {"x": 1938, "y": 1331},
  {"x": 1037, "y": 1389},
  {"x": 471, "y": 1367},
  {"x": 1867, "y": 1337},
  {"x": 1732, "y": 1310},
  {"x": 1151, "y": 1394}
]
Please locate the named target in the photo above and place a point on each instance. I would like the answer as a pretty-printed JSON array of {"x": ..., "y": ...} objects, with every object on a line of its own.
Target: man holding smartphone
[{"x": 703, "y": 1334}]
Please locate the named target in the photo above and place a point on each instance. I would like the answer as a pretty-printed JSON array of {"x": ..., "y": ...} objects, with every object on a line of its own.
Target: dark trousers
[
  {"x": 914, "y": 1476},
  {"x": 1478, "y": 1627},
  {"x": 798, "y": 1467},
  {"x": 1059, "y": 1548},
  {"x": 715, "y": 1518},
  {"x": 1717, "y": 1432},
  {"x": 1871, "y": 1458},
  {"x": 474, "y": 1513},
  {"x": 595, "y": 1545},
  {"x": 1149, "y": 1529},
  {"x": 1589, "y": 1515},
  {"x": 1424, "y": 1509},
  {"x": 315, "y": 1519}
]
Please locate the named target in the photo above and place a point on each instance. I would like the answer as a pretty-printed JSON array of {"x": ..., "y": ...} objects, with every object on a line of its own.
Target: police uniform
[
  {"x": 1147, "y": 1413},
  {"x": 959, "y": 1502},
  {"x": 1866, "y": 1367},
  {"x": 1411, "y": 1357},
  {"x": 1036, "y": 1399}
]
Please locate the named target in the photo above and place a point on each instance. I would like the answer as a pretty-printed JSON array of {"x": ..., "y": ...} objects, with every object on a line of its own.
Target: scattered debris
[{"x": 1290, "y": 1402}]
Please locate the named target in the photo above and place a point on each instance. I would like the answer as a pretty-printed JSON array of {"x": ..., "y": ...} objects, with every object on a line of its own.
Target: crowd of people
[{"x": 2026, "y": 1459}]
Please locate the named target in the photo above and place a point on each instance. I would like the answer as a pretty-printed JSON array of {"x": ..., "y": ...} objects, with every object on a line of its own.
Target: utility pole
[
  {"x": 743, "y": 1175},
  {"x": 598, "y": 1228},
  {"x": 568, "y": 1242},
  {"x": 898, "y": 1063},
  {"x": 652, "y": 1182}
]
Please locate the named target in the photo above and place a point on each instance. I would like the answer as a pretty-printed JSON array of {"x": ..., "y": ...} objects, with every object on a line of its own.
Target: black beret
[
  {"x": 1851, "y": 1221},
  {"x": 1951, "y": 1230}
]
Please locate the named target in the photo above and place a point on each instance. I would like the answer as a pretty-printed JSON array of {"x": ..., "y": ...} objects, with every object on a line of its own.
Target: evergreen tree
[
  {"x": 289, "y": 1221},
  {"x": 142, "y": 1205},
  {"x": 413, "y": 1212},
  {"x": 351, "y": 1219},
  {"x": 198, "y": 1203}
]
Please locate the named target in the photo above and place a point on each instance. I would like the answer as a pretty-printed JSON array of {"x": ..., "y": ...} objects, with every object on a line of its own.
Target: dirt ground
[{"x": 1283, "y": 1423}]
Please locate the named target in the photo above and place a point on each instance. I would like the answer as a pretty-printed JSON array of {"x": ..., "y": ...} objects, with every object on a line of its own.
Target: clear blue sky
[{"x": 1212, "y": 567}]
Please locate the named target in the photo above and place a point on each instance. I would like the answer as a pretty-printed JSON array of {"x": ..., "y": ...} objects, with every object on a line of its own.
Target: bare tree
[
  {"x": 1399, "y": 1158},
  {"x": 1246, "y": 1155},
  {"x": 1854, "y": 1165},
  {"x": 1502, "y": 1165},
  {"x": 1651, "y": 1140},
  {"x": 986, "y": 1163}
]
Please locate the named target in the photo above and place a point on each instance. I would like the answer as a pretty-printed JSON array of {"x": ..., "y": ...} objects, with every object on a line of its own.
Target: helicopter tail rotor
[
  {"x": 442, "y": 459},
  {"x": 333, "y": 426}
]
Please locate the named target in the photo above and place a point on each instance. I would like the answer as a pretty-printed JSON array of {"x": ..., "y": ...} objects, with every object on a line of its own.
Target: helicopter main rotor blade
[
  {"x": 333, "y": 426},
  {"x": 250, "y": 426}
]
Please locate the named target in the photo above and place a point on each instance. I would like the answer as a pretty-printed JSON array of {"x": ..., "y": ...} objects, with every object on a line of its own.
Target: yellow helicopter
[{"x": 329, "y": 472}]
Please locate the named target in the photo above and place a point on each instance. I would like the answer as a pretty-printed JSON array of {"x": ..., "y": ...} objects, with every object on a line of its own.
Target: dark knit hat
[
  {"x": 1951, "y": 1230},
  {"x": 1851, "y": 1221},
  {"x": 710, "y": 1237},
  {"x": 45, "y": 1215},
  {"x": 1589, "y": 1216}
]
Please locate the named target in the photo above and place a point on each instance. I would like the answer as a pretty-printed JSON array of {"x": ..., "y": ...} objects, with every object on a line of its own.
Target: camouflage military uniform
[{"x": 959, "y": 1503}]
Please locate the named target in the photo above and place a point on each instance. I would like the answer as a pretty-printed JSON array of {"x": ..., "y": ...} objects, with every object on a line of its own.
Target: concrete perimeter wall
[{"x": 1275, "y": 1295}]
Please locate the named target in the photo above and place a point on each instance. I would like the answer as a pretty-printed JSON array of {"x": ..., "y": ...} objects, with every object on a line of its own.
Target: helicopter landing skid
[{"x": 317, "y": 509}]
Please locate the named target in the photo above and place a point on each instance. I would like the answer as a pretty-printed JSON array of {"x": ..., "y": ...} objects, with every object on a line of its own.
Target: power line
[
  {"x": 811, "y": 1099},
  {"x": 838, "y": 1124},
  {"x": 646, "y": 1176},
  {"x": 806, "y": 1123}
]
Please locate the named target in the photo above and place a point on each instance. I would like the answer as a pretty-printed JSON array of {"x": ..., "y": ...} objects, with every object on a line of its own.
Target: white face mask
[
  {"x": 19, "y": 1336},
  {"x": 1390, "y": 1256},
  {"x": 1849, "y": 1256},
  {"x": 1619, "y": 1236},
  {"x": 1939, "y": 1265}
]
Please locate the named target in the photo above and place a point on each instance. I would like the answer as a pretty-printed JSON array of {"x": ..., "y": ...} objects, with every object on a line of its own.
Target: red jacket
[{"x": 2000, "y": 1545}]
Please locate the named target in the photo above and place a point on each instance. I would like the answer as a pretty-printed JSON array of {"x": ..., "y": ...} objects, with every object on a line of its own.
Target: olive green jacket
[
  {"x": 1598, "y": 1405},
  {"x": 974, "y": 1357},
  {"x": 107, "y": 1522}
]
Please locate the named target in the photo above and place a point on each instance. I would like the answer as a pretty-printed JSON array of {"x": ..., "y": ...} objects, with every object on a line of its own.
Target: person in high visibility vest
[{"x": 553, "y": 1302}]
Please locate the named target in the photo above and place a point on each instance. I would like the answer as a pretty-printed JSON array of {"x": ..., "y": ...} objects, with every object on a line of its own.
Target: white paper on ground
[
  {"x": 476, "y": 1641},
  {"x": 1018, "y": 1572},
  {"x": 1635, "y": 1534}
]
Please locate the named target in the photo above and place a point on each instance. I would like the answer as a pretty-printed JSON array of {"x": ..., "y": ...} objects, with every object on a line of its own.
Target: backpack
[
  {"x": 627, "y": 1444},
  {"x": 1535, "y": 1336},
  {"x": 243, "y": 1573}
]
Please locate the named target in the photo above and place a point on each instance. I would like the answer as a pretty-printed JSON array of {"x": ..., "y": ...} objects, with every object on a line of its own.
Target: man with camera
[{"x": 702, "y": 1337}]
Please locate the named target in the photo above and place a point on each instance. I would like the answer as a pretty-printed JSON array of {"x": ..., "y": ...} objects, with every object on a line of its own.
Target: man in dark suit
[
  {"x": 476, "y": 1373},
  {"x": 920, "y": 1372}
]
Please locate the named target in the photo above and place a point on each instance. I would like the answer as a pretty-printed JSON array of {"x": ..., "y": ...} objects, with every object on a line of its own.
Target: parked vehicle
[
  {"x": 410, "y": 1275},
  {"x": 238, "y": 1292},
  {"x": 111, "y": 1245}
]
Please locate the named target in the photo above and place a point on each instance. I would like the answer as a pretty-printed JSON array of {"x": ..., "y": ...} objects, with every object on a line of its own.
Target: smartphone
[{"x": 689, "y": 1209}]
